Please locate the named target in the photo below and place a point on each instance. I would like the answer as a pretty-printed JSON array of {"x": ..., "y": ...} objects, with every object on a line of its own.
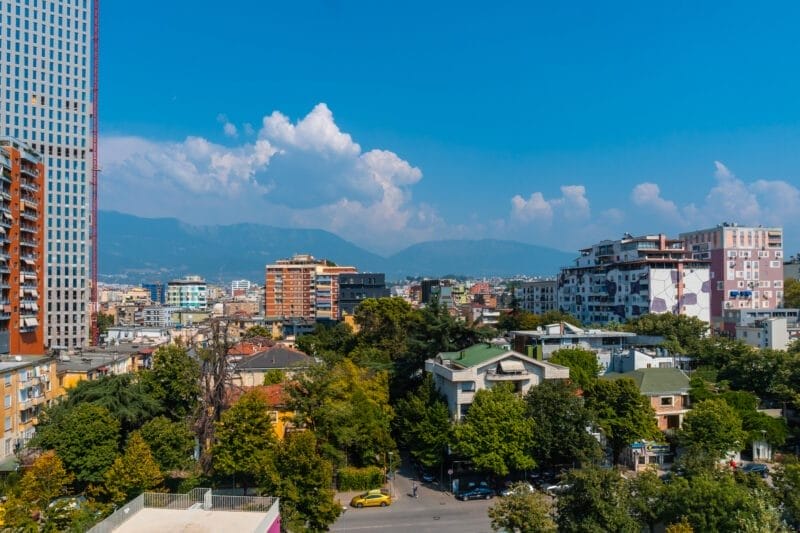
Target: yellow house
[
  {"x": 91, "y": 365},
  {"x": 275, "y": 396}
]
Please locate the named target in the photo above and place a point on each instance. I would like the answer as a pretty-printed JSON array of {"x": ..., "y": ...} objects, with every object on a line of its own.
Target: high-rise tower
[{"x": 45, "y": 102}]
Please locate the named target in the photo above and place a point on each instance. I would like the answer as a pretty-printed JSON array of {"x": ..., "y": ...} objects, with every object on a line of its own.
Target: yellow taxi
[{"x": 372, "y": 498}]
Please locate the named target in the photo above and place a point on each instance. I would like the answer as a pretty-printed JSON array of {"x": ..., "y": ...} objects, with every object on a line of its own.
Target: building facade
[
  {"x": 746, "y": 267},
  {"x": 46, "y": 103},
  {"x": 190, "y": 292},
  {"x": 539, "y": 296},
  {"x": 303, "y": 288},
  {"x": 22, "y": 250},
  {"x": 355, "y": 288},
  {"x": 459, "y": 375},
  {"x": 28, "y": 384},
  {"x": 157, "y": 292},
  {"x": 613, "y": 281}
]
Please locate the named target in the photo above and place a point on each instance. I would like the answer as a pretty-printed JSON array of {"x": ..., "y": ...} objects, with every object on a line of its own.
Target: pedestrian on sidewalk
[{"x": 414, "y": 489}]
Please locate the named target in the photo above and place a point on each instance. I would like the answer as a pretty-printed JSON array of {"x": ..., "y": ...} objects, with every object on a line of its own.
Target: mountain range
[{"x": 135, "y": 249}]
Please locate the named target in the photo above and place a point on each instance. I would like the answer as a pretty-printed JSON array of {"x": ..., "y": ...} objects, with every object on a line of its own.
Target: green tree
[
  {"x": 714, "y": 501},
  {"x": 624, "y": 415},
  {"x": 497, "y": 433},
  {"x": 681, "y": 332},
  {"x": 713, "y": 427},
  {"x": 43, "y": 482},
  {"x": 791, "y": 293},
  {"x": 596, "y": 500},
  {"x": 522, "y": 512},
  {"x": 423, "y": 423},
  {"x": 175, "y": 380},
  {"x": 561, "y": 419},
  {"x": 348, "y": 409},
  {"x": 85, "y": 437},
  {"x": 171, "y": 443},
  {"x": 257, "y": 331},
  {"x": 302, "y": 479},
  {"x": 104, "y": 321},
  {"x": 383, "y": 323},
  {"x": 246, "y": 441},
  {"x": 133, "y": 472},
  {"x": 329, "y": 343},
  {"x": 125, "y": 398},
  {"x": 647, "y": 502},
  {"x": 757, "y": 425},
  {"x": 787, "y": 485},
  {"x": 582, "y": 364},
  {"x": 274, "y": 376}
]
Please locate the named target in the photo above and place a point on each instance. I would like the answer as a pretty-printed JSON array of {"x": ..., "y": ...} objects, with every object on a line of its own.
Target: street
[{"x": 432, "y": 511}]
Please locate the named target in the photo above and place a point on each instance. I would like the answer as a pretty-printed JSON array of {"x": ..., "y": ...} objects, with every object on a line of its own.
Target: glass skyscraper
[{"x": 45, "y": 102}]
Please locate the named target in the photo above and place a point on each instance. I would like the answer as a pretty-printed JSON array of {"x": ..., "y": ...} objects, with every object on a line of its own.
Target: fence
[{"x": 198, "y": 498}]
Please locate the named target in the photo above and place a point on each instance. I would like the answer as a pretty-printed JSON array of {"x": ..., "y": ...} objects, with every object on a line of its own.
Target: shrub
[{"x": 351, "y": 478}]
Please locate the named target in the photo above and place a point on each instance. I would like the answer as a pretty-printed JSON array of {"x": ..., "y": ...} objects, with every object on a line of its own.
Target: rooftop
[
  {"x": 655, "y": 381},
  {"x": 474, "y": 355},
  {"x": 278, "y": 356},
  {"x": 198, "y": 511},
  {"x": 10, "y": 362}
]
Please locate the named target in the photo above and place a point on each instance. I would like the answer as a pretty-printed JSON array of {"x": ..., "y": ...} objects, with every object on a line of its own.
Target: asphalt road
[{"x": 432, "y": 511}]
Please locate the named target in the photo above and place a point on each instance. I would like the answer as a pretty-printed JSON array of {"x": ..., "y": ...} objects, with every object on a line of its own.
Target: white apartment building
[
  {"x": 190, "y": 292},
  {"x": 45, "y": 102},
  {"x": 538, "y": 296}
]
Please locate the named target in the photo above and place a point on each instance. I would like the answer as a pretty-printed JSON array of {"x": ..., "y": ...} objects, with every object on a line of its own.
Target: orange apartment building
[
  {"x": 22, "y": 249},
  {"x": 303, "y": 287}
]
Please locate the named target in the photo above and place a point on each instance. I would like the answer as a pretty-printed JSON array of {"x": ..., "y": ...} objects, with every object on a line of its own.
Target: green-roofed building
[
  {"x": 668, "y": 390},
  {"x": 459, "y": 375}
]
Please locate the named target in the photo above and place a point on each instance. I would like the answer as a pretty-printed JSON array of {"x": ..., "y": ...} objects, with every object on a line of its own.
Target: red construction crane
[{"x": 95, "y": 331}]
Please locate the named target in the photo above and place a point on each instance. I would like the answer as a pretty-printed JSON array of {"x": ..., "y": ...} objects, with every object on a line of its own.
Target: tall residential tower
[{"x": 45, "y": 102}]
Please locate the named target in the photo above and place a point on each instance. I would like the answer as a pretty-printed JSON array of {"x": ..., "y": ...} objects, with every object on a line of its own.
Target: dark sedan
[{"x": 476, "y": 493}]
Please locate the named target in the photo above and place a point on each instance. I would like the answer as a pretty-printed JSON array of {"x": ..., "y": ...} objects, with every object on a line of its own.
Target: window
[
  {"x": 774, "y": 264},
  {"x": 778, "y": 284},
  {"x": 8, "y": 380},
  {"x": 8, "y": 423},
  {"x": 7, "y": 402},
  {"x": 666, "y": 400}
]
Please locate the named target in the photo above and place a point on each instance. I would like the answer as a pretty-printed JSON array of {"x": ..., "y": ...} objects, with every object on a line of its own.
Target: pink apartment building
[{"x": 746, "y": 267}]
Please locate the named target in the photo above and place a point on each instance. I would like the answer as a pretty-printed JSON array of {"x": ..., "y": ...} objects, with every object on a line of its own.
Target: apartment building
[
  {"x": 189, "y": 292},
  {"x": 746, "y": 267},
  {"x": 355, "y": 288},
  {"x": 28, "y": 383},
  {"x": 21, "y": 249},
  {"x": 45, "y": 90},
  {"x": 538, "y": 296},
  {"x": 303, "y": 287},
  {"x": 613, "y": 281}
]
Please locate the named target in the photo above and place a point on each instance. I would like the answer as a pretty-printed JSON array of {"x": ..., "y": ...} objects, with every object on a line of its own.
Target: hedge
[{"x": 351, "y": 478}]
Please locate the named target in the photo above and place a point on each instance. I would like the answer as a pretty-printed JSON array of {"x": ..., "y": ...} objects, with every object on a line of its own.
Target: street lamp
[{"x": 391, "y": 476}]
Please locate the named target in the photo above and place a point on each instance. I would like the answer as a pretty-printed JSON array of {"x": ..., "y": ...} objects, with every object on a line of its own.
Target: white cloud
[
  {"x": 306, "y": 173},
  {"x": 571, "y": 205},
  {"x": 648, "y": 196},
  {"x": 730, "y": 199}
]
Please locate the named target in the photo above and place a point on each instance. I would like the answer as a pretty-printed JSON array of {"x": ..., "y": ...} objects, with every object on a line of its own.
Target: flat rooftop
[{"x": 190, "y": 521}]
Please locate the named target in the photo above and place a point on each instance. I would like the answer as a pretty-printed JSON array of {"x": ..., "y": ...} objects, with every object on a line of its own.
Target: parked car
[
  {"x": 371, "y": 498},
  {"x": 514, "y": 487},
  {"x": 558, "y": 488},
  {"x": 476, "y": 493},
  {"x": 427, "y": 477},
  {"x": 756, "y": 468}
]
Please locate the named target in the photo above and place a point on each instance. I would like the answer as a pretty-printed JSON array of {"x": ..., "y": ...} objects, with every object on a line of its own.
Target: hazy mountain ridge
[{"x": 135, "y": 249}]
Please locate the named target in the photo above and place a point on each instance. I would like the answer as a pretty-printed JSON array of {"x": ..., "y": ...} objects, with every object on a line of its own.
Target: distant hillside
[
  {"x": 485, "y": 257},
  {"x": 134, "y": 249}
]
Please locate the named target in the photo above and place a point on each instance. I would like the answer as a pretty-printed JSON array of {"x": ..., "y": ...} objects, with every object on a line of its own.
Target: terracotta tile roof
[{"x": 275, "y": 395}]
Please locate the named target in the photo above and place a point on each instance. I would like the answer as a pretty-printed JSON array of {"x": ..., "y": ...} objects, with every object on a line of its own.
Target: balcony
[
  {"x": 29, "y": 171},
  {"x": 28, "y": 186},
  {"x": 28, "y": 215}
]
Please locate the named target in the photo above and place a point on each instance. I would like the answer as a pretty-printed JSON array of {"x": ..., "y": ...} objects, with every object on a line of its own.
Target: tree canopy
[
  {"x": 582, "y": 364},
  {"x": 497, "y": 433},
  {"x": 561, "y": 418},
  {"x": 713, "y": 427},
  {"x": 133, "y": 472},
  {"x": 522, "y": 512}
]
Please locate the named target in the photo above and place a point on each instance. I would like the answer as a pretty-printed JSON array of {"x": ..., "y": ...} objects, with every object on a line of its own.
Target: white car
[
  {"x": 511, "y": 490},
  {"x": 558, "y": 488}
]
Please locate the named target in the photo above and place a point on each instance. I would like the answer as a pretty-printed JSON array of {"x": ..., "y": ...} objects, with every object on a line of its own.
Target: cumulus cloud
[
  {"x": 571, "y": 205},
  {"x": 648, "y": 196},
  {"x": 731, "y": 198},
  {"x": 306, "y": 173}
]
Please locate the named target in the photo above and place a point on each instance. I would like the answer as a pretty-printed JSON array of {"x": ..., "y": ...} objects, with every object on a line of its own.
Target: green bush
[{"x": 351, "y": 478}]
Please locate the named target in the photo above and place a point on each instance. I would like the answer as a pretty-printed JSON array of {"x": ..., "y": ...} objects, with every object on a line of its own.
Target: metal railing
[{"x": 198, "y": 498}]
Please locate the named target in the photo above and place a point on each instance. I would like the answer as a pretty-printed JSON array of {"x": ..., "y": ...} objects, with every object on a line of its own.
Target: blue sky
[{"x": 390, "y": 123}]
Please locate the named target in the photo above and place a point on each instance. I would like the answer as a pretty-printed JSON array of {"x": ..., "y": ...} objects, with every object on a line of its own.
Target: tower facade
[
  {"x": 746, "y": 268},
  {"x": 45, "y": 66},
  {"x": 21, "y": 247}
]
